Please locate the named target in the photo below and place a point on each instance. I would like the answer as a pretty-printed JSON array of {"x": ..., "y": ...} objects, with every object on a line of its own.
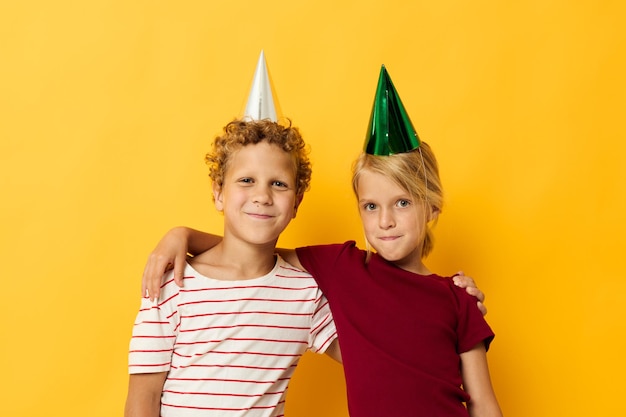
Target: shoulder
[
  {"x": 285, "y": 268},
  {"x": 330, "y": 251},
  {"x": 446, "y": 283},
  {"x": 169, "y": 286},
  {"x": 461, "y": 297},
  {"x": 288, "y": 277}
]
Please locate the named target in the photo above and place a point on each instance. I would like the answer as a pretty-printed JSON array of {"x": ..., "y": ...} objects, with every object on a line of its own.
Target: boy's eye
[
  {"x": 369, "y": 206},
  {"x": 403, "y": 203},
  {"x": 279, "y": 184},
  {"x": 246, "y": 180}
]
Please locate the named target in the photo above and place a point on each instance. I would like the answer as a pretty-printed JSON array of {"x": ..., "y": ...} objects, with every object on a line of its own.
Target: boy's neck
[{"x": 233, "y": 261}]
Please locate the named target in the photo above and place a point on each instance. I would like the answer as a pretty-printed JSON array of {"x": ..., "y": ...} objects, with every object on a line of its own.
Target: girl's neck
[{"x": 417, "y": 267}]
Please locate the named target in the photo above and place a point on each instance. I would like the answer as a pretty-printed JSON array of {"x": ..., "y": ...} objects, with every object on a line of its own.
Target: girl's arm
[
  {"x": 477, "y": 383},
  {"x": 171, "y": 252},
  {"x": 144, "y": 395}
]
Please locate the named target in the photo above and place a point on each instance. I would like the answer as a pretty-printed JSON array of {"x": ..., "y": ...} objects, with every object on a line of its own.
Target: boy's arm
[
  {"x": 291, "y": 257},
  {"x": 144, "y": 395},
  {"x": 460, "y": 279},
  {"x": 171, "y": 252},
  {"x": 463, "y": 281},
  {"x": 333, "y": 351},
  {"x": 477, "y": 383}
]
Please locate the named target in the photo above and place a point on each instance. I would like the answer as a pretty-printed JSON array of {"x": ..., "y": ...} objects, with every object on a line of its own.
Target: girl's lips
[{"x": 386, "y": 238}]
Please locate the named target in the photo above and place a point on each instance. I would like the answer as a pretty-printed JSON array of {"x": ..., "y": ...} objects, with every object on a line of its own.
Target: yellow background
[{"x": 107, "y": 109}]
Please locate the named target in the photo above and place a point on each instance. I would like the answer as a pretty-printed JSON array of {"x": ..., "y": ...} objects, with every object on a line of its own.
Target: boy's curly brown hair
[{"x": 239, "y": 133}]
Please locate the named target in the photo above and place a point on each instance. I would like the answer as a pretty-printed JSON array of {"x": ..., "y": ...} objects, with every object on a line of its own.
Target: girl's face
[{"x": 394, "y": 223}]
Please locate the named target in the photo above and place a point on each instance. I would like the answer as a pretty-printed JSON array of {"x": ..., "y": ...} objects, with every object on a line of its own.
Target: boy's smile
[{"x": 258, "y": 195}]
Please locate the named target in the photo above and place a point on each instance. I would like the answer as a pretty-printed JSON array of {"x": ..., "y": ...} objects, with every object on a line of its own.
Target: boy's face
[
  {"x": 258, "y": 194},
  {"x": 394, "y": 223}
]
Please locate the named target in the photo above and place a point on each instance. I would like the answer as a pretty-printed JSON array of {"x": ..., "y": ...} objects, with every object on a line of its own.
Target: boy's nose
[{"x": 262, "y": 195}]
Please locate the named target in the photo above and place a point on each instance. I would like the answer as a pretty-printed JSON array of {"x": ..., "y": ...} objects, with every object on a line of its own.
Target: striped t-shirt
[{"x": 230, "y": 347}]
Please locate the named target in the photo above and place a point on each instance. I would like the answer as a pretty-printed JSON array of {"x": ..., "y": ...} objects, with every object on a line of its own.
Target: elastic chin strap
[{"x": 425, "y": 176}]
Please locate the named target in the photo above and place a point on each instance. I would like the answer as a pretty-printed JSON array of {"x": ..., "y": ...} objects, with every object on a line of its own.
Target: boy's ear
[
  {"x": 299, "y": 199},
  {"x": 217, "y": 197}
]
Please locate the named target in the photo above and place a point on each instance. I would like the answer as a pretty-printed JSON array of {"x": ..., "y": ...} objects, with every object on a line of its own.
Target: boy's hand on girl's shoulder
[{"x": 463, "y": 281}]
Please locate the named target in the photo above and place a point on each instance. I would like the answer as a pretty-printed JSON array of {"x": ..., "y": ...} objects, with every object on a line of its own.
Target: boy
[{"x": 228, "y": 342}]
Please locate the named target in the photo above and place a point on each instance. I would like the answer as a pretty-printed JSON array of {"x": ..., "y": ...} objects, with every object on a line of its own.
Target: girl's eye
[
  {"x": 403, "y": 203},
  {"x": 279, "y": 184},
  {"x": 246, "y": 180}
]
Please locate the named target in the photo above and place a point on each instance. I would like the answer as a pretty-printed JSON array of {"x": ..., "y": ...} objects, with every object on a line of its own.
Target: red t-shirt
[{"x": 400, "y": 333}]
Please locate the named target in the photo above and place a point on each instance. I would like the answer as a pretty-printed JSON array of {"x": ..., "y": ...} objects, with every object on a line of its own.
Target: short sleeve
[
  {"x": 472, "y": 328},
  {"x": 321, "y": 261},
  {"x": 154, "y": 335},
  {"x": 323, "y": 330}
]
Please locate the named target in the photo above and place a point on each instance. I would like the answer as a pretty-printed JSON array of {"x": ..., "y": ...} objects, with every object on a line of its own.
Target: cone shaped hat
[
  {"x": 390, "y": 130},
  {"x": 262, "y": 102}
]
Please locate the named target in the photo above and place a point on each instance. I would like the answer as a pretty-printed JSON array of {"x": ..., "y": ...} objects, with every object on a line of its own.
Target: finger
[
  {"x": 179, "y": 271},
  {"x": 156, "y": 277},
  {"x": 482, "y": 308},
  {"x": 149, "y": 290},
  {"x": 144, "y": 287},
  {"x": 476, "y": 292},
  {"x": 463, "y": 281},
  {"x": 145, "y": 282},
  {"x": 156, "y": 267}
]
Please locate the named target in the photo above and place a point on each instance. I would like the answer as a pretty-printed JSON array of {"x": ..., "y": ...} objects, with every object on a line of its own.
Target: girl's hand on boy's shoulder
[
  {"x": 463, "y": 281},
  {"x": 170, "y": 253}
]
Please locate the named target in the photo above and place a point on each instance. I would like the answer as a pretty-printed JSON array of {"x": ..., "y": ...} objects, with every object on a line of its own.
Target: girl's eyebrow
[{"x": 394, "y": 198}]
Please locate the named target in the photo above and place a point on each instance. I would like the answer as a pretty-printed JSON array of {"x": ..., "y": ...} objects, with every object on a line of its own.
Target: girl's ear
[
  {"x": 217, "y": 197},
  {"x": 434, "y": 214}
]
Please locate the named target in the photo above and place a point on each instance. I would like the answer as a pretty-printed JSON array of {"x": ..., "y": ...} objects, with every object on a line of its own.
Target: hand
[
  {"x": 463, "y": 281},
  {"x": 170, "y": 252}
]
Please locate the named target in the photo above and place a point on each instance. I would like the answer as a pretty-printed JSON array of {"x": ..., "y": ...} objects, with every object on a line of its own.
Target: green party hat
[
  {"x": 390, "y": 130},
  {"x": 262, "y": 102}
]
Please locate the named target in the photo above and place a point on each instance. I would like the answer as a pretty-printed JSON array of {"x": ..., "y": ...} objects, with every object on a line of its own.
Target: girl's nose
[{"x": 386, "y": 220}]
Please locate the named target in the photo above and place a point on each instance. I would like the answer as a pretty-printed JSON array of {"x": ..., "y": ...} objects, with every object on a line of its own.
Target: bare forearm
[
  {"x": 146, "y": 407},
  {"x": 484, "y": 409},
  {"x": 144, "y": 395},
  {"x": 477, "y": 383},
  {"x": 171, "y": 252},
  {"x": 198, "y": 241}
]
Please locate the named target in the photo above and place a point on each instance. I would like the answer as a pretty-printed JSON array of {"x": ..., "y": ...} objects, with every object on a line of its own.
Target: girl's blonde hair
[
  {"x": 416, "y": 171},
  {"x": 240, "y": 133}
]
